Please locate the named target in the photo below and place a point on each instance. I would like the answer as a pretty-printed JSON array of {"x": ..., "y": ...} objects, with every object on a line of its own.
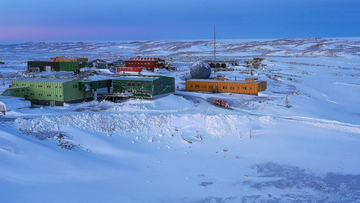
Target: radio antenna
[{"x": 214, "y": 44}]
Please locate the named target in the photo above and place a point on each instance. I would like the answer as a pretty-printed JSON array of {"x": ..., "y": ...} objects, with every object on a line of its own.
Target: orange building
[
  {"x": 60, "y": 59},
  {"x": 243, "y": 87}
]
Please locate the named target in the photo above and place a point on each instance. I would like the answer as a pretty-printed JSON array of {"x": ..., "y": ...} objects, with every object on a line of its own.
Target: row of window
[
  {"x": 224, "y": 87},
  {"x": 49, "y": 95},
  {"x": 31, "y": 85},
  {"x": 133, "y": 63},
  {"x": 133, "y": 84},
  {"x": 141, "y": 59},
  {"x": 134, "y": 91}
]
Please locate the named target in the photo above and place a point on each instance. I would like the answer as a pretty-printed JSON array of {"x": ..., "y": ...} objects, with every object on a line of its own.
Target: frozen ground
[{"x": 182, "y": 148}]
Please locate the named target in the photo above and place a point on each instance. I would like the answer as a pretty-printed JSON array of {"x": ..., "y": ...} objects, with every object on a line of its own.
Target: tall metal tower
[{"x": 214, "y": 45}]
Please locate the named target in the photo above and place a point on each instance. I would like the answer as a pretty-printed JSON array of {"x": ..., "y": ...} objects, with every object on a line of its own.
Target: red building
[{"x": 145, "y": 62}]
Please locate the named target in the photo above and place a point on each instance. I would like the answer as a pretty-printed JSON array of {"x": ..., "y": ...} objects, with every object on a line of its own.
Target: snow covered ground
[{"x": 181, "y": 147}]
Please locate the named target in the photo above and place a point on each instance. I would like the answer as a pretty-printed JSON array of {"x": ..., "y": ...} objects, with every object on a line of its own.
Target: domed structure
[{"x": 200, "y": 70}]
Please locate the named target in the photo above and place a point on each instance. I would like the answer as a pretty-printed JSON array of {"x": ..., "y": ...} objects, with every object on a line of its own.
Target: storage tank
[{"x": 200, "y": 70}]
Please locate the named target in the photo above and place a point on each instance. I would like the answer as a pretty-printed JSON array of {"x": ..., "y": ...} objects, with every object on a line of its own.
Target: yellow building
[{"x": 249, "y": 86}]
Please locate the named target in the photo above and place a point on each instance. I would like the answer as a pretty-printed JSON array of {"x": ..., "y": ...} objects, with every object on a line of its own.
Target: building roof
[
  {"x": 144, "y": 59},
  {"x": 97, "y": 61},
  {"x": 136, "y": 78},
  {"x": 56, "y": 80},
  {"x": 223, "y": 81}
]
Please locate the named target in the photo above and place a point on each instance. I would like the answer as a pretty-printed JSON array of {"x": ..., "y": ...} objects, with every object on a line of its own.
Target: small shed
[
  {"x": 118, "y": 63},
  {"x": 100, "y": 64}
]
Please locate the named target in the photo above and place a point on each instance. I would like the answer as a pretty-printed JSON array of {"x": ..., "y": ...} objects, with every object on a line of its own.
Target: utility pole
[{"x": 287, "y": 101}]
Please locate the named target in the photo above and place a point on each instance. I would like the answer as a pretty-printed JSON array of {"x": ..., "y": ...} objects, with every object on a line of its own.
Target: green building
[
  {"x": 40, "y": 66},
  {"x": 49, "y": 91},
  {"x": 144, "y": 86},
  {"x": 56, "y": 91}
]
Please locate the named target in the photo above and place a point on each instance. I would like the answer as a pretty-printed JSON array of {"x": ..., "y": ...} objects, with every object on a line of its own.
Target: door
[{"x": 52, "y": 103}]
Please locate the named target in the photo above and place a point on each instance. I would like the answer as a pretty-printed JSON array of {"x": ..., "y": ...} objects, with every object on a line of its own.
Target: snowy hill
[{"x": 181, "y": 147}]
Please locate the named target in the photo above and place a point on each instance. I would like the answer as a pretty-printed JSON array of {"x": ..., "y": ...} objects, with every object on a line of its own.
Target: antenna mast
[{"x": 214, "y": 43}]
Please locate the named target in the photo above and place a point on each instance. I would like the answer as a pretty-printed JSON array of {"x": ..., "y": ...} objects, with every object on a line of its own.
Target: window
[
  {"x": 204, "y": 86},
  {"x": 224, "y": 87},
  {"x": 250, "y": 88},
  {"x": 157, "y": 84},
  {"x": 133, "y": 84},
  {"x": 162, "y": 84},
  {"x": 129, "y": 84},
  {"x": 118, "y": 82},
  {"x": 245, "y": 88},
  {"x": 232, "y": 88},
  {"x": 99, "y": 83},
  {"x": 139, "y": 84},
  {"x": 123, "y": 85},
  {"x": 237, "y": 88},
  {"x": 31, "y": 85},
  {"x": 24, "y": 84},
  {"x": 191, "y": 85},
  {"x": 90, "y": 84}
]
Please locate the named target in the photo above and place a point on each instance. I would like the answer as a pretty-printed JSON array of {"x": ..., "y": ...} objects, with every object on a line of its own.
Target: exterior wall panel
[
  {"x": 68, "y": 66},
  {"x": 55, "y": 66},
  {"x": 139, "y": 88},
  {"x": 72, "y": 92},
  {"x": 145, "y": 62},
  {"x": 163, "y": 85}
]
